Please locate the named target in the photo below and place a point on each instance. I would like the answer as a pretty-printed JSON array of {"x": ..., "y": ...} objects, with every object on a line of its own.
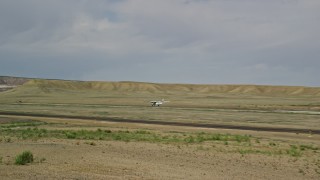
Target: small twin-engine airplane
[{"x": 158, "y": 103}]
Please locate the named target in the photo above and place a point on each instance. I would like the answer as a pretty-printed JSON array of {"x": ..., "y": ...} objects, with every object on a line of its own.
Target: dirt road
[{"x": 170, "y": 123}]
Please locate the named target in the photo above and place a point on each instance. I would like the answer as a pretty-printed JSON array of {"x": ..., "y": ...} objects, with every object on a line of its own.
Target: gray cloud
[{"x": 183, "y": 41}]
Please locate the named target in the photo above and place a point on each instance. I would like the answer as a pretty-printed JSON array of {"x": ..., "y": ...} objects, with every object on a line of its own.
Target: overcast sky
[{"x": 275, "y": 42}]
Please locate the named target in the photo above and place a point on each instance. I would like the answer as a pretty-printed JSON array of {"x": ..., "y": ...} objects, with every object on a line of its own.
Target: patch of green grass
[
  {"x": 28, "y": 133},
  {"x": 189, "y": 139},
  {"x": 294, "y": 151},
  {"x": 201, "y": 137},
  {"x": 1, "y": 159},
  {"x": 306, "y": 147},
  {"x": 71, "y": 135},
  {"x": 120, "y": 135},
  {"x": 24, "y": 158}
]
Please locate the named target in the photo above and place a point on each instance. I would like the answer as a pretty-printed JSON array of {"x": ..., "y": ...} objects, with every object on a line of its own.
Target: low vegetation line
[
  {"x": 120, "y": 135},
  {"x": 219, "y": 126},
  {"x": 242, "y": 143}
]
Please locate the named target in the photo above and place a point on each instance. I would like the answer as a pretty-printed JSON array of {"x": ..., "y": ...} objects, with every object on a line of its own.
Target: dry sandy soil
[{"x": 101, "y": 159}]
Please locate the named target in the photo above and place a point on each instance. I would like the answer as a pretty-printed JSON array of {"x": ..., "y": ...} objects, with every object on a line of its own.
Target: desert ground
[{"x": 65, "y": 125}]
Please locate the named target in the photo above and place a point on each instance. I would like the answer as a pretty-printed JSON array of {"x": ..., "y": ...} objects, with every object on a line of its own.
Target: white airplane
[{"x": 158, "y": 103}]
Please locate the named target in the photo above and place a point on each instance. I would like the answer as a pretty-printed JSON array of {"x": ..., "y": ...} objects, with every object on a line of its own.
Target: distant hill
[
  {"x": 7, "y": 82},
  {"x": 12, "y": 81},
  {"x": 48, "y": 86}
]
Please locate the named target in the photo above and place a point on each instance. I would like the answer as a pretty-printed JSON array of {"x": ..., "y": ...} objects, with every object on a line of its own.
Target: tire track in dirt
[{"x": 157, "y": 122}]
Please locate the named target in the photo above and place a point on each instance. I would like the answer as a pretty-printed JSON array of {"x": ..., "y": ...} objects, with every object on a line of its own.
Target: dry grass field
[{"x": 87, "y": 149}]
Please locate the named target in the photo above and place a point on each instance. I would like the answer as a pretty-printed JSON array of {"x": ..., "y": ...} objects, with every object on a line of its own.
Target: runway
[{"x": 168, "y": 123}]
